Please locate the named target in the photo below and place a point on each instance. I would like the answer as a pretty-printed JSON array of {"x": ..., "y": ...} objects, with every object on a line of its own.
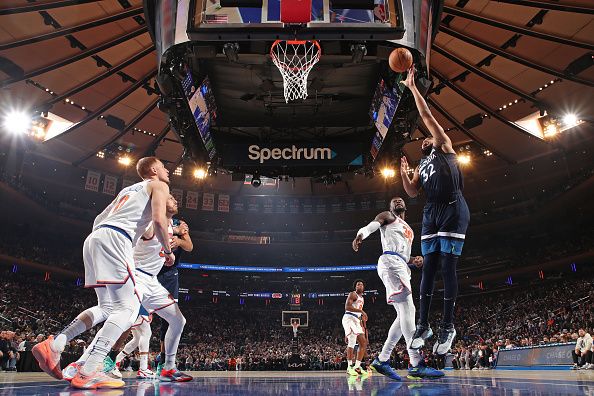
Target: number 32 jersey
[
  {"x": 440, "y": 176},
  {"x": 131, "y": 211}
]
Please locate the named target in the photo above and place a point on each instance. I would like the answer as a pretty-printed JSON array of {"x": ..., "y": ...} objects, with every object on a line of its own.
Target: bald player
[{"x": 393, "y": 269}]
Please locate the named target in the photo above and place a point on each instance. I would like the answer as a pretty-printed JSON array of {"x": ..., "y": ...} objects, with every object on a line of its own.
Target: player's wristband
[{"x": 166, "y": 252}]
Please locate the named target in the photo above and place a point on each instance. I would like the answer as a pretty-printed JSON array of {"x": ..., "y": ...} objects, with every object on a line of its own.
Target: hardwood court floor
[{"x": 491, "y": 382}]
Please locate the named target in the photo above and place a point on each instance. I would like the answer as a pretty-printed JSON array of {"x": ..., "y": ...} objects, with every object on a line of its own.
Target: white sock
[
  {"x": 144, "y": 361},
  {"x": 96, "y": 315},
  {"x": 59, "y": 343},
  {"x": 95, "y": 361},
  {"x": 169, "y": 361},
  {"x": 351, "y": 362},
  {"x": 69, "y": 332},
  {"x": 120, "y": 357},
  {"x": 87, "y": 352},
  {"x": 357, "y": 364}
]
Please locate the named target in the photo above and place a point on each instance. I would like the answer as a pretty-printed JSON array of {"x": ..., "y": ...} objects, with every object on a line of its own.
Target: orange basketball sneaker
[
  {"x": 97, "y": 380},
  {"x": 49, "y": 361}
]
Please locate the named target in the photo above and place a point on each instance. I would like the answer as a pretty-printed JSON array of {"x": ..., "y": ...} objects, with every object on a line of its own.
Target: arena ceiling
[{"x": 93, "y": 63}]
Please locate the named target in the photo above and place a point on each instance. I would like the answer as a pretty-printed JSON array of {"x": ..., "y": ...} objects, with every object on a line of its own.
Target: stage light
[
  {"x": 17, "y": 122},
  {"x": 464, "y": 159},
  {"x": 199, "y": 173},
  {"x": 550, "y": 129},
  {"x": 101, "y": 154},
  {"x": 570, "y": 120},
  {"x": 125, "y": 160},
  {"x": 178, "y": 171},
  {"x": 388, "y": 173}
]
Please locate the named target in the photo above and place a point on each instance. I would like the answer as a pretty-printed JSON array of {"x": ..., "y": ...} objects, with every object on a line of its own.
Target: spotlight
[
  {"x": 570, "y": 120},
  {"x": 464, "y": 159},
  {"x": 17, "y": 122},
  {"x": 125, "y": 160},
  {"x": 199, "y": 173},
  {"x": 256, "y": 181},
  {"x": 388, "y": 173},
  {"x": 550, "y": 129}
]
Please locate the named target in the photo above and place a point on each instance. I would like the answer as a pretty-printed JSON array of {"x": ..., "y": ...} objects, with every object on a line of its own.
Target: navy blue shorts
[
  {"x": 444, "y": 227},
  {"x": 170, "y": 281}
]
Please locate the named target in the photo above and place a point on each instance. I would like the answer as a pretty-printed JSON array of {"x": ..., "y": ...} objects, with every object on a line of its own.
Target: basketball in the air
[{"x": 400, "y": 60}]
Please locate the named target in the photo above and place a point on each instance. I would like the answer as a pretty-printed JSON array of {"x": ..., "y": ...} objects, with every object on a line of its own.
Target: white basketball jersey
[
  {"x": 148, "y": 254},
  {"x": 397, "y": 237},
  {"x": 359, "y": 303},
  {"x": 131, "y": 211}
]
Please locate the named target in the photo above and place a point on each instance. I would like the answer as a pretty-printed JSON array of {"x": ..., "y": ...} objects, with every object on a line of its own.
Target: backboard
[
  {"x": 289, "y": 19},
  {"x": 289, "y": 316}
]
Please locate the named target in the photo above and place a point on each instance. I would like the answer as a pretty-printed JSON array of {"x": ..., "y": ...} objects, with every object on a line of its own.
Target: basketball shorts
[
  {"x": 352, "y": 324},
  {"x": 444, "y": 227},
  {"x": 143, "y": 317},
  {"x": 108, "y": 258},
  {"x": 170, "y": 281},
  {"x": 153, "y": 296},
  {"x": 395, "y": 275}
]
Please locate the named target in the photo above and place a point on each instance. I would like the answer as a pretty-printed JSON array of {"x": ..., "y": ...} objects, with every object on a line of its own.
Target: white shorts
[
  {"x": 108, "y": 257},
  {"x": 351, "y": 325},
  {"x": 153, "y": 296},
  {"x": 395, "y": 274},
  {"x": 142, "y": 319}
]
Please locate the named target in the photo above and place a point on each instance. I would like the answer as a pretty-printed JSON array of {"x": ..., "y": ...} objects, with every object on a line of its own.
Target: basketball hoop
[
  {"x": 295, "y": 326},
  {"x": 295, "y": 59}
]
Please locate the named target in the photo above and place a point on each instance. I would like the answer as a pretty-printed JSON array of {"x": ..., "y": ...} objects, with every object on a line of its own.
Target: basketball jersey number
[
  {"x": 426, "y": 175},
  {"x": 120, "y": 203},
  {"x": 408, "y": 234}
]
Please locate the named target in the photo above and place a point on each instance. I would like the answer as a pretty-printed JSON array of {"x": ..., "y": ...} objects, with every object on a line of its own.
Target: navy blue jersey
[{"x": 440, "y": 176}]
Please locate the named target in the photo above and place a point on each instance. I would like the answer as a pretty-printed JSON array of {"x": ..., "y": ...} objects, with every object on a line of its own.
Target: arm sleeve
[{"x": 369, "y": 229}]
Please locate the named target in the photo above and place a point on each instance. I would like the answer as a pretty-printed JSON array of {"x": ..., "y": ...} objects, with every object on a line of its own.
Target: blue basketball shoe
[
  {"x": 384, "y": 368},
  {"x": 422, "y": 371}
]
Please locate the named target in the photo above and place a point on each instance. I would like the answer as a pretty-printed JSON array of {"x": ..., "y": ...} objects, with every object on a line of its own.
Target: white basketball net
[
  {"x": 294, "y": 60},
  {"x": 295, "y": 326}
]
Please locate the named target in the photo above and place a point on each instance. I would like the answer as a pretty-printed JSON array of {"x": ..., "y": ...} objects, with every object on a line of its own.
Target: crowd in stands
[{"x": 228, "y": 335}]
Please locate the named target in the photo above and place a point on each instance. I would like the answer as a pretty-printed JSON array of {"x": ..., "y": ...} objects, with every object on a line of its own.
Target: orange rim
[{"x": 295, "y": 42}]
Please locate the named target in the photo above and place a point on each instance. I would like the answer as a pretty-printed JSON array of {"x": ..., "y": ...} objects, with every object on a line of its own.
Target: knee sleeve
[
  {"x": 352, "y": 340},
  {"x": 100, "y": 312},
  {"x": 125, "y": 305},
  {"x": 174, "y": 318}
]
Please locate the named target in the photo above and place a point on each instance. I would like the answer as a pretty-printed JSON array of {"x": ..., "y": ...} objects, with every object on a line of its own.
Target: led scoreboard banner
[{"x": 234, "y": 268}]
